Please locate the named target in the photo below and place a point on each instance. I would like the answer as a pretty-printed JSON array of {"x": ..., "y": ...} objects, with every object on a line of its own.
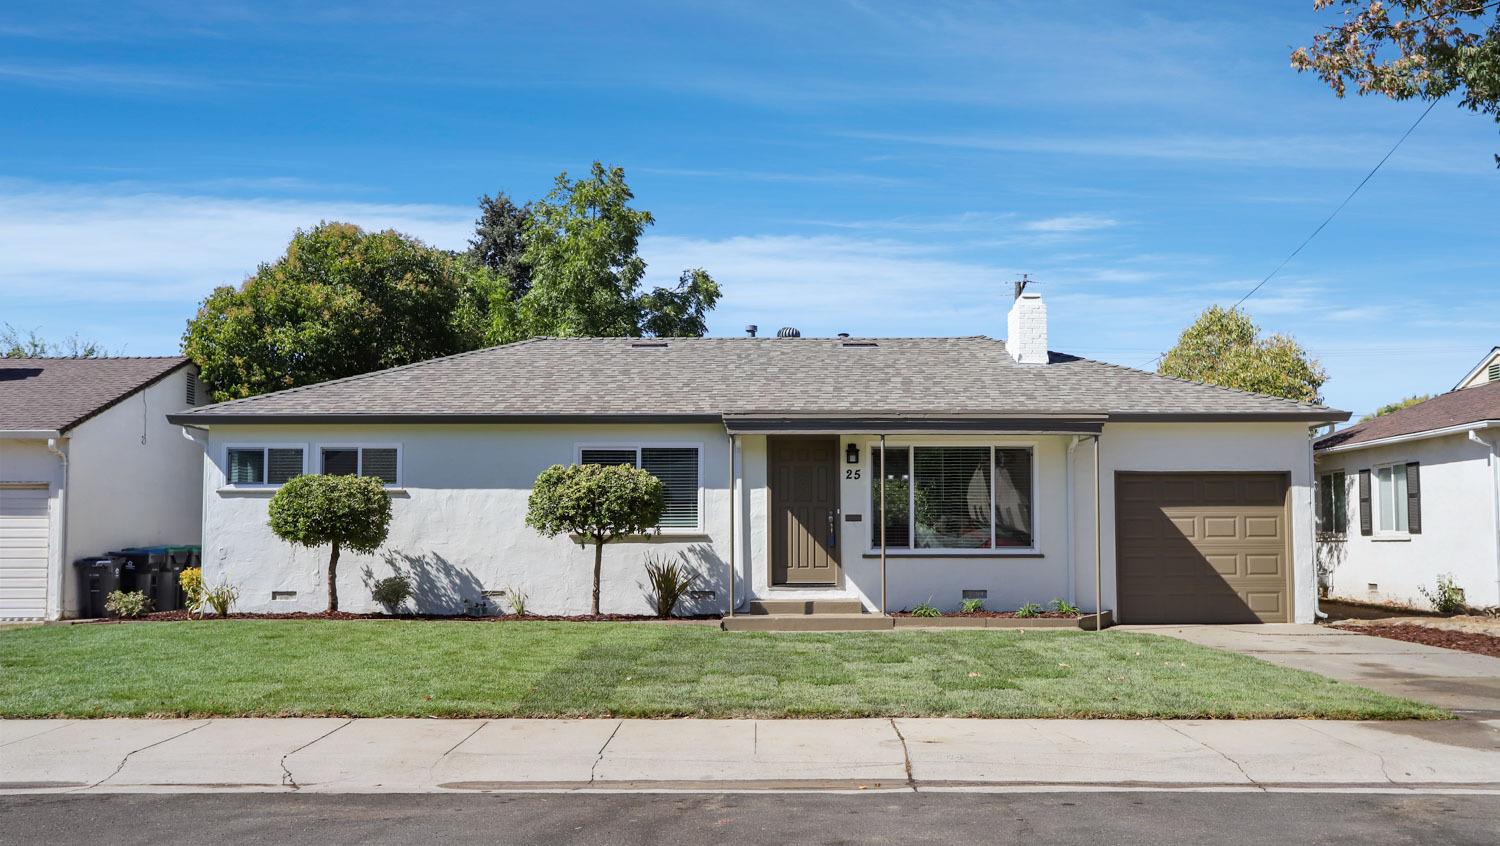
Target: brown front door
[
  {"x": 804, "y": 510},
  {"x": 1202, "y": 547}
]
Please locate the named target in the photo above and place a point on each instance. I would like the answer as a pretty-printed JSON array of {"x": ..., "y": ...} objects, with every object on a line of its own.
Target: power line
[{"x": 1329, "y": 219}]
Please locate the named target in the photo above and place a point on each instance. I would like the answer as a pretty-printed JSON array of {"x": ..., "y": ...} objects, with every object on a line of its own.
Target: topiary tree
[
  {"x": 599, "y": 503},
  {"x": 345, "y": 511}
]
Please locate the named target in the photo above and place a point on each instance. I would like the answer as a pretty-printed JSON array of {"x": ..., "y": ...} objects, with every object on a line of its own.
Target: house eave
[
  {"x": 851, "y": 424},
  {"x": 211, "y": 419},
  {"x": 1328, "y": 415},
  {"x": 1445, "y": 431}
]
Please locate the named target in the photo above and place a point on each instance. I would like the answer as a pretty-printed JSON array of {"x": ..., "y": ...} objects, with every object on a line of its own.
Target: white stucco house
[
  {"x": 89, "y": 464},
  {"x": 1413, "y": 495},
  {"x": 774, "y": 452}
]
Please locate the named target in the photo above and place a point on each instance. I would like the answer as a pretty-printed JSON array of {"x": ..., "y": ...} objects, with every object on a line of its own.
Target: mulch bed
[
  {"x": 1481, "y": 644},
  {"x": 178, "y": 616},
  {"x": 1051, "y": 615}
]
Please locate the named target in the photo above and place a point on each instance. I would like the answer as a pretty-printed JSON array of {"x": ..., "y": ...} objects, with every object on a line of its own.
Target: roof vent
[
  {"x": 859, "y": 344},
  {"x": 648, "y": 344},
  {"x": 751, "y": 329},
  {"x": 788, "y": 332},
  {"x": 843, "y": 334}
]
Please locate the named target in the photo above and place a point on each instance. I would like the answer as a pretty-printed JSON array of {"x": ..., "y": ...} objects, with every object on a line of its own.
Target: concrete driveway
[{"x": 1462, "y": 682}]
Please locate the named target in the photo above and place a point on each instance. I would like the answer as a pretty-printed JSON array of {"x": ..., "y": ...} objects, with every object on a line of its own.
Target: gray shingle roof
[
  {"x": 1455, "y": 408},
  {"x": 59, "y": 393},
  {"x": 709, "y": 377}
]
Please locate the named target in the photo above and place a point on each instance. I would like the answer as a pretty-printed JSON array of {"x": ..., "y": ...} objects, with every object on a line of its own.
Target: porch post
[
  {"x": 882, "y": 524},
  {"x": 1098, "y": 547},
  {"x": 732, "y": 487}
]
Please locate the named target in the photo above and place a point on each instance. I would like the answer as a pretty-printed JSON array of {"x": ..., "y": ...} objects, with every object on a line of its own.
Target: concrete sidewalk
[
  {"x": 1462, "y": 682},
  {"x": 376, "y": 756}
]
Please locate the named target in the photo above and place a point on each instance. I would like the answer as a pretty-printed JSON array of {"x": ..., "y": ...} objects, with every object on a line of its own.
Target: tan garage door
[
  {"x": 23, "y": 552},
  {"x": 1202, "y": 547}
]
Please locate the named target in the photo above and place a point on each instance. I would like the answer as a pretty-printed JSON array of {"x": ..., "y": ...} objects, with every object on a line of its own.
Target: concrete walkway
[
  {"x": 1463, "y": 682},
  {"x": 376, "y": 756}
]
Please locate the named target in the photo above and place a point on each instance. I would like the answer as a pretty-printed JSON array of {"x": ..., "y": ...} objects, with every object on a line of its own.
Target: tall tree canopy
[
  {"x": 581, "y": 246},
  {"x": 499, "y": 241},
  {"x": 16, "y": 344},
  {"x": 1393, "y": 407},
  {"x": 1224, "y": 347},
  {"x": 1412, "y": 48},
  {"x": 340, "y": 302}
]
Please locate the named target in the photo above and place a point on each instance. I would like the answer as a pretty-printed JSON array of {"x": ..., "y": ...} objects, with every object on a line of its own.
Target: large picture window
[
  {"x": 676, "y": 466},
  {"x": 953, "y": 497}
]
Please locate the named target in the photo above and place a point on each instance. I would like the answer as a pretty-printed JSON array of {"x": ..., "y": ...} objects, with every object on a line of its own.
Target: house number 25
[{"x": 851, "y": 474}]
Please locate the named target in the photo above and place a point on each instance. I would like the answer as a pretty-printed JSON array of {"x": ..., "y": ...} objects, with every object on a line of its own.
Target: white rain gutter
[
  {"x": 1312, "y": 469},
  {"x": 1070, "y": 511},
  {"x": 1415, "y": 436},
  {"x": 732, "y": 487},
  {"x": 1098, "y": 547},
  {"x": 58, "y": 447},
  {"x": 1494, "y": 490},
  {"x": 29, "y": 434},
  {"x": 882, "y": 524}
]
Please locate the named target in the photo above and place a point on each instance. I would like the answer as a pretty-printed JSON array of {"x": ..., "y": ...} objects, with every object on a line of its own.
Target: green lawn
[{"x": 538, "y": 669}]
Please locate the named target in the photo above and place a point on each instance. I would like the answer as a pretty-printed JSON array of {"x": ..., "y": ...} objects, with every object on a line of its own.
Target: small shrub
[
  {"x": 1030, "y": 609},
  {"x": 926, "y": 609},
  {"x": 132, "y": 604},
  {"x": 221, "y": 598},
  {"x": 670, "y": 581},
  {"x": 971, "y": 606},
  {"x": 1062, "y": 606},
  {"x": 391, "y": 591},
  {"x": 516, "y": 599},
  {"x": 191, "y": 582},
  {"x": 1448, "y": 598}
]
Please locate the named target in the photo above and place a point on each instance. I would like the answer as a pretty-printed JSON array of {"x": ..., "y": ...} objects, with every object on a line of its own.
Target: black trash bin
[
  {"x": 98, "y": 576},
  {"x": 180, "y": 558},
  {"x": 138, "y": 572}
]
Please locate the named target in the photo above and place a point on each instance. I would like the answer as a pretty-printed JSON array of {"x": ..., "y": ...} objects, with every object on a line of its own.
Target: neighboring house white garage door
[{"x": 24, "y": 530}]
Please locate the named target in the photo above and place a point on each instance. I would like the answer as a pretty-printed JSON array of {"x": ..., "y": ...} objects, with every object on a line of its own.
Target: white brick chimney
[{"x": 1026, "y": 332}]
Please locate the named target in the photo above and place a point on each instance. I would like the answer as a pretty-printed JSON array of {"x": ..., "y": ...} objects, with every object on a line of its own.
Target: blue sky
[{"x": 881, "y": 169}]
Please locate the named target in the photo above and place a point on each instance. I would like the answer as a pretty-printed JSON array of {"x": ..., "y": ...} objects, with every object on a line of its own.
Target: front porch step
[
  {"x": 820, "y": 622},
  {"x": 806, "y": 606}
]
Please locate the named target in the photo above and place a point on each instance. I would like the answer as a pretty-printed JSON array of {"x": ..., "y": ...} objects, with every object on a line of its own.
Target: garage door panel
[
  {"x": 1220, "y": 557},
  {"x": 24, "y": 537}
]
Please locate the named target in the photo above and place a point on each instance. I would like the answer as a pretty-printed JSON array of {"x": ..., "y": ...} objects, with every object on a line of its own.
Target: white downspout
[
  {"x": 1099, "y": 545},
  {"x": 60, "y": 570},
  {"x": 1069, "y": 511},
  {"x": 1494, "y": 494},
  {"x": 731, "y": 525}
]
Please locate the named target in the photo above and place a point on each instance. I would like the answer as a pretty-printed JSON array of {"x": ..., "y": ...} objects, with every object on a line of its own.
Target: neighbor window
[
  {"x": 1333, "y": 505},
  {"x": 263, "y": 465},
  {"x": 676, "y": 466},
  {"x": 953, "y": 497},
  {"x": 380, "y": 462},
  {"x": 1390, "y": 482}
]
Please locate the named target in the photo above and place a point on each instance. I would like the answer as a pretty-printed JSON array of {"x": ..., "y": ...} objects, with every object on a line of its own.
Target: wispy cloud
[
  {"x": 812, "y": 178},
  {"x": 100, "y": 76},
  {"x": 1070, "y": 223}
]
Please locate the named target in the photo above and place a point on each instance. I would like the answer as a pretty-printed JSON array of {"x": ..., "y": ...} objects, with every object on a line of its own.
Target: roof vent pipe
[
  {"x": 788, "y": 332},
  {"x": 751, "y": 329}
]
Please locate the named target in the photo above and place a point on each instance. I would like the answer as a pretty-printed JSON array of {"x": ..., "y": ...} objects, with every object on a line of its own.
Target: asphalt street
[{"x": 760, "y": 819}]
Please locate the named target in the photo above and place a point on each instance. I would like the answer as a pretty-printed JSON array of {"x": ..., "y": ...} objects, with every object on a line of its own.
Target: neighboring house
[
  {"x": 89, "y": 464},
  {"x": 1412, "y": 495},
  {"x": 771, "y": 452},
  {"x": 1485, "y": 372}
]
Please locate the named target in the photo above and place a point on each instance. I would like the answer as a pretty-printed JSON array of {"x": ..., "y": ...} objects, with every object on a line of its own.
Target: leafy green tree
[
  {"x": 1224, "y": 347},
  {"x": 498, "y": 241},
  {"x": 347, "y": 512},
  {"x": 581, "y": 245},
  {"x": 14, "y": 344},
  {"x": 596, "y": 502},
  {"x": 1391, "y": 407},
  {"x": 1411, "y": 48},
  {"x": 340, "y": 302}
]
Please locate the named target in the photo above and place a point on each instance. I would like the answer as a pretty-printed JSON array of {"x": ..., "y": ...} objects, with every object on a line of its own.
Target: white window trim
[
  {"x": 265, "y": 467},
  {"x": 873, "y": 547},
  {"x": 1376, "y": 503},
  {"x": 636, "y": 447},
  {"x": 359, "y": 465}
]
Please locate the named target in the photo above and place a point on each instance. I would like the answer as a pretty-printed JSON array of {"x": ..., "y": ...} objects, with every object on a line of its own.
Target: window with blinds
[
  {"x": 952, "y": 497},
  {"x": 676, "y": 467},
  {"x": 248, "y": 466},
  {"x": 383, "y": 463}
]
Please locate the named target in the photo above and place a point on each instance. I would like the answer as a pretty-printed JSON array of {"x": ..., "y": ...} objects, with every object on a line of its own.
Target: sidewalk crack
[
  {"x": 1237, "y": 765},
  {"x": 600, "y": 757},
  {"x": 911, "y": 781},
  {"x": 126, "y": 759},
  {"x": 287, "y": 780},
  {"x": 1379, "y": 757}
]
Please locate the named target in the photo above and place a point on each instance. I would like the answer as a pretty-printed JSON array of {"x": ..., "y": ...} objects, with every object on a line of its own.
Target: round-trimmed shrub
[{"x": 346, "y": 512}]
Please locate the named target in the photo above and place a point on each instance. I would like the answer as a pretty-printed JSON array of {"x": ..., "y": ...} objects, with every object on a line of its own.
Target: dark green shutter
[
  {"x": 1413, "y": 499},
  {"x": 1366, "y": 525}
]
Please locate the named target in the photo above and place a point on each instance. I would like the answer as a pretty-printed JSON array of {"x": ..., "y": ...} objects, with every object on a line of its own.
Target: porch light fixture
[{"x": 851, "y": 454}]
